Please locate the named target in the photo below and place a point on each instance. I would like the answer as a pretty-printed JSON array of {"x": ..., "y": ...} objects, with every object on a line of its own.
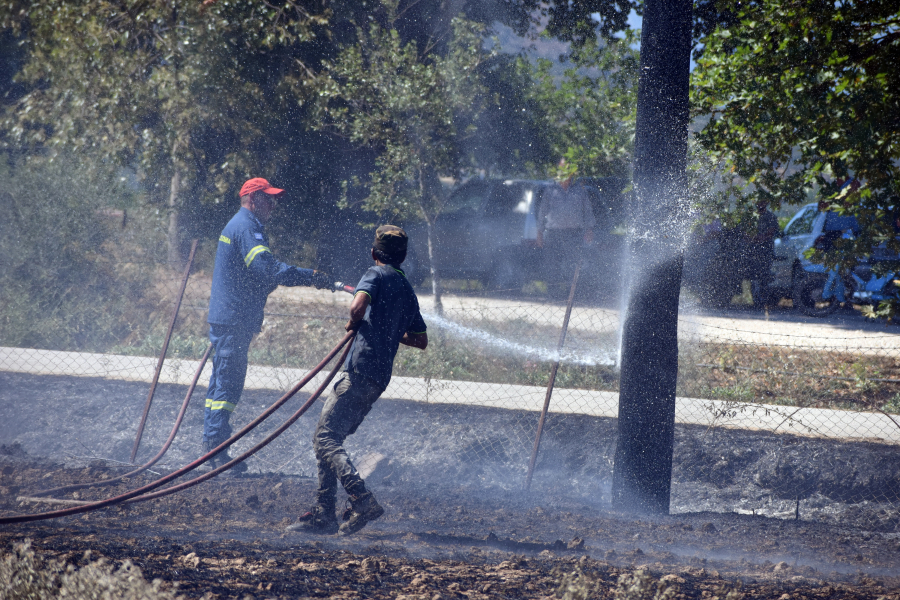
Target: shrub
[
  {"x": 24, "y": 576},
  {"x": 61, "y": 285}
]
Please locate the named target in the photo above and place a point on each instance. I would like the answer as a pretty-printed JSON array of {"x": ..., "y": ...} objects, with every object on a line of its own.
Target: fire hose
[
  {"x": 338, "y": 286},
  {"x": 152, "y": 461},
  {"x": 142, "y": 493}
]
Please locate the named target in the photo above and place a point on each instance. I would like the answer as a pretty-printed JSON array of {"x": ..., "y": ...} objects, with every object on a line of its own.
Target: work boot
[
  {"x": 363, "y": 510},
  {"x": 318, "y": 520},
  {"x": 222, "y": 458}
]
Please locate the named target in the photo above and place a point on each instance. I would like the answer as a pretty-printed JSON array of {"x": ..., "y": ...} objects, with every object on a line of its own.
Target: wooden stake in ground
[
  {"x": 165, "y": 348},
  {"x": 553, "y": 370}
]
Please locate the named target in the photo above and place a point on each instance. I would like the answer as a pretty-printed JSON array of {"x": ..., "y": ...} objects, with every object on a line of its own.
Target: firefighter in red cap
[{"x": 244, "y": 276}]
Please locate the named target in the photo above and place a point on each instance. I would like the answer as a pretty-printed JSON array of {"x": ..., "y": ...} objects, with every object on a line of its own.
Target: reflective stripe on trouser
[
  {"x": 349, "y": 401},
  {"x": 226, "y": 382}
]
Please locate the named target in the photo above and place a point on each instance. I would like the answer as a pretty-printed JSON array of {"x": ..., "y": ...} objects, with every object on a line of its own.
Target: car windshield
[
  {"x": 467, "y": 198},
  {"x": 509, "y": 198},
  {"x": 802, "y": 224}
]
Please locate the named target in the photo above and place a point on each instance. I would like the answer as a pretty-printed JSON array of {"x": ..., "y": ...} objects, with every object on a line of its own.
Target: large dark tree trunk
[{"x": 649, "y": 365}]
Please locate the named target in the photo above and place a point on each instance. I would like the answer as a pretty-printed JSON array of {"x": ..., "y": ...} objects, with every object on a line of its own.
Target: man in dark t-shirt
[{"x": 384, "y": 313}]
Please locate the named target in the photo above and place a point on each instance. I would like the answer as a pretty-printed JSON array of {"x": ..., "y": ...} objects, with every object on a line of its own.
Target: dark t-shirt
[{"x": 393, "y": 311}]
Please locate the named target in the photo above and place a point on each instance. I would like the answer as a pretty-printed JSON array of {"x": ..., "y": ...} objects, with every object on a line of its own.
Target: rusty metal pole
[
  {"x": 559, "y": 347},
  {"x": 165, "y": 348}
]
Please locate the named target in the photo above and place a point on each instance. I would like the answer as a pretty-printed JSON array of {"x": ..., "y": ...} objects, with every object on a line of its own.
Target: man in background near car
[
  {"x": 244, "y": 275},
  {"x": 384, "y": 313},
  {"x": 761, "y": 249},
  {"x": 565, "y": 225}
]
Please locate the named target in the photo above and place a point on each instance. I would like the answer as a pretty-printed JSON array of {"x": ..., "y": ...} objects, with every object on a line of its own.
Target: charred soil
[{"x": 444, "y": 534}]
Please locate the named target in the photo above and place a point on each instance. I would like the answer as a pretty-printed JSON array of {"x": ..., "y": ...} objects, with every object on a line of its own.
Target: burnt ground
[{"x": 456, "y": 525}]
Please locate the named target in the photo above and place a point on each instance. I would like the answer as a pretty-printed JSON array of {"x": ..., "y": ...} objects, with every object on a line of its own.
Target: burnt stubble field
[{"x": 448, "y": 533}]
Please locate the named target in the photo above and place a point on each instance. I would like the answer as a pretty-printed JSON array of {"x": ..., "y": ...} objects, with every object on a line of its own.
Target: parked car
[
  {"x": 795, "y": 276},
  {"x": 719, "y": 261},
  {"x": 487, "y": 230}
]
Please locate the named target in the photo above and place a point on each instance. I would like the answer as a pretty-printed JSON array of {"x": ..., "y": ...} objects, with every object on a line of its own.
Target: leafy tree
[
  {"x": 141, "y": 84},
  {"x": 412, "y": 107},
  {"x": 804, "y": 95},
  {"x": 589, "y": 114}
]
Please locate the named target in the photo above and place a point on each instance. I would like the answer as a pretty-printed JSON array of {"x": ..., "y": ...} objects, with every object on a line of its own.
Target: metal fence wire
[{"x": 771, "y": 419}]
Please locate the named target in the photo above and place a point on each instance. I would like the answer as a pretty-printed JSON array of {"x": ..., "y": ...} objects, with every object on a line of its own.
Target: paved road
[{"x": 846, "y": 331}]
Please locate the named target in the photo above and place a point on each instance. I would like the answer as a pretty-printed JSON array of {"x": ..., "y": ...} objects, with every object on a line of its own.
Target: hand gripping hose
[
  {"x": 152, "y": 461},
  {"x": 134, "y": 494}
]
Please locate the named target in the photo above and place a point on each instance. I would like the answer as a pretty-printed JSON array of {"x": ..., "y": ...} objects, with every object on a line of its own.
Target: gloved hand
[{"x": 322, "y": 281}]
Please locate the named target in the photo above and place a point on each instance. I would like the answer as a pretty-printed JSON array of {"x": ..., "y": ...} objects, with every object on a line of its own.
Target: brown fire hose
[
  {"x": 165, "y": 348},
  {"x": 265, "y": 442},
  {"x": 144, "y": 490},
  {"x": 152, "y": 461}
]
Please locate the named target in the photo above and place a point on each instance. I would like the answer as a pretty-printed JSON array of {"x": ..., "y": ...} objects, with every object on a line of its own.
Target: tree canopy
[
  {"x": 801, "y": 96},
  {"x": 168, "y": 88},
  {"x": 588, "y": 115},
  {"x": 410, "y": 104}
]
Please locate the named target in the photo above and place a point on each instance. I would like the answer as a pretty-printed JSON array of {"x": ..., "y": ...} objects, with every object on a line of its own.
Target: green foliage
[
  {"x": 174, "y": 89},
  {"x": 409, "y": 104},
  {"x": 63, "y": 282},
  {"x": 412, "y": 106},
  {"x": 801, "y": 96},
  {"x": 589, "y": 114},
  {"x": 25, "y": 576}
]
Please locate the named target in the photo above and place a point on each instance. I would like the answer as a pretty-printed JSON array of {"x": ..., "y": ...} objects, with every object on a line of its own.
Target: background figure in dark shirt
[
  {"x": 761, "y": 248},
  {"x": 384, "y": 313}
]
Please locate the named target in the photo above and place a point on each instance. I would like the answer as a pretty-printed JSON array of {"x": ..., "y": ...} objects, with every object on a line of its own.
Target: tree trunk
[
  {"x": 435, "y": 279},
  {"x": 175, "y": 258},
  {"x": 642, "y": 477},
  {"x": 430, "y": 205}
]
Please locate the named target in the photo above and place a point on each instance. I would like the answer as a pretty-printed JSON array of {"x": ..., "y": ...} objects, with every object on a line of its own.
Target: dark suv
[{"x": 487, "y": 230}]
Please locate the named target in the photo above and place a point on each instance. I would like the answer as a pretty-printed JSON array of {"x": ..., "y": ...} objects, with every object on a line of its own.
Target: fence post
[
  {"x": 165, "y": 348},
  {"x": 553, "y": 370}
]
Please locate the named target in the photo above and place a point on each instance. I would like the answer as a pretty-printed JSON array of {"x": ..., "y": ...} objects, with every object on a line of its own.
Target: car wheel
[{"x": 807, "y": 296}]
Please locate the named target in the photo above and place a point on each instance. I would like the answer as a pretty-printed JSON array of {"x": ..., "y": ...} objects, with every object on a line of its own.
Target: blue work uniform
[
  {"x": 244, "y": 276},
  {"x": 392, "y": 312}
]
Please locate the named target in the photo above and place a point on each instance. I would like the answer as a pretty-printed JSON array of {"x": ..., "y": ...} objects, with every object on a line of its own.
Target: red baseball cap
[{"x": 258, "y": 184}]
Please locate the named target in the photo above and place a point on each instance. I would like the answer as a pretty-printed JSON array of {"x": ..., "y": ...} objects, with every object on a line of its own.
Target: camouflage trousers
[{"x": 350, "y": 400}]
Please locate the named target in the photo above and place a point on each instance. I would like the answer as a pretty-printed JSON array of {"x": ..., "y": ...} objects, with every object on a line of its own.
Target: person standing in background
[
  {"x": 565, "y": 226},
  {"x": 244, "y": 275}
]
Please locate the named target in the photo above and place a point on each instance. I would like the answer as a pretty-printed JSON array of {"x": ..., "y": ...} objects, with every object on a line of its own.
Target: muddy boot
[
  {"x": 220, "y": 459},
  {"x": 363, "y": 509},
  {"x": 317, "y": 520}
]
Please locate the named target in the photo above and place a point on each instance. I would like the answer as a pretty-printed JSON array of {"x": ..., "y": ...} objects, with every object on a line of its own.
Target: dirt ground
[{"x": 452, "y": 528}]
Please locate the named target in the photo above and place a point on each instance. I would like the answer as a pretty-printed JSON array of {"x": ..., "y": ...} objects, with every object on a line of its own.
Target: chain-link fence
[{"x": 775, "y": 417}]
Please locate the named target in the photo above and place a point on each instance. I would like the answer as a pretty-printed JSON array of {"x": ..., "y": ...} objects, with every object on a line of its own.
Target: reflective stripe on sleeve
[
  {"x": 220, "y": 405},
  {"x": 253, "y": 253},
  {"x": 222, "y": 238},
  {"x": 364, "y": 292}
]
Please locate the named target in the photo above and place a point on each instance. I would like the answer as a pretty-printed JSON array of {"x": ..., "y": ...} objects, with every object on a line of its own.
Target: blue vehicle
[
  {"x": 793, "y": 275},
  {"x": 814, "y": 289}
]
